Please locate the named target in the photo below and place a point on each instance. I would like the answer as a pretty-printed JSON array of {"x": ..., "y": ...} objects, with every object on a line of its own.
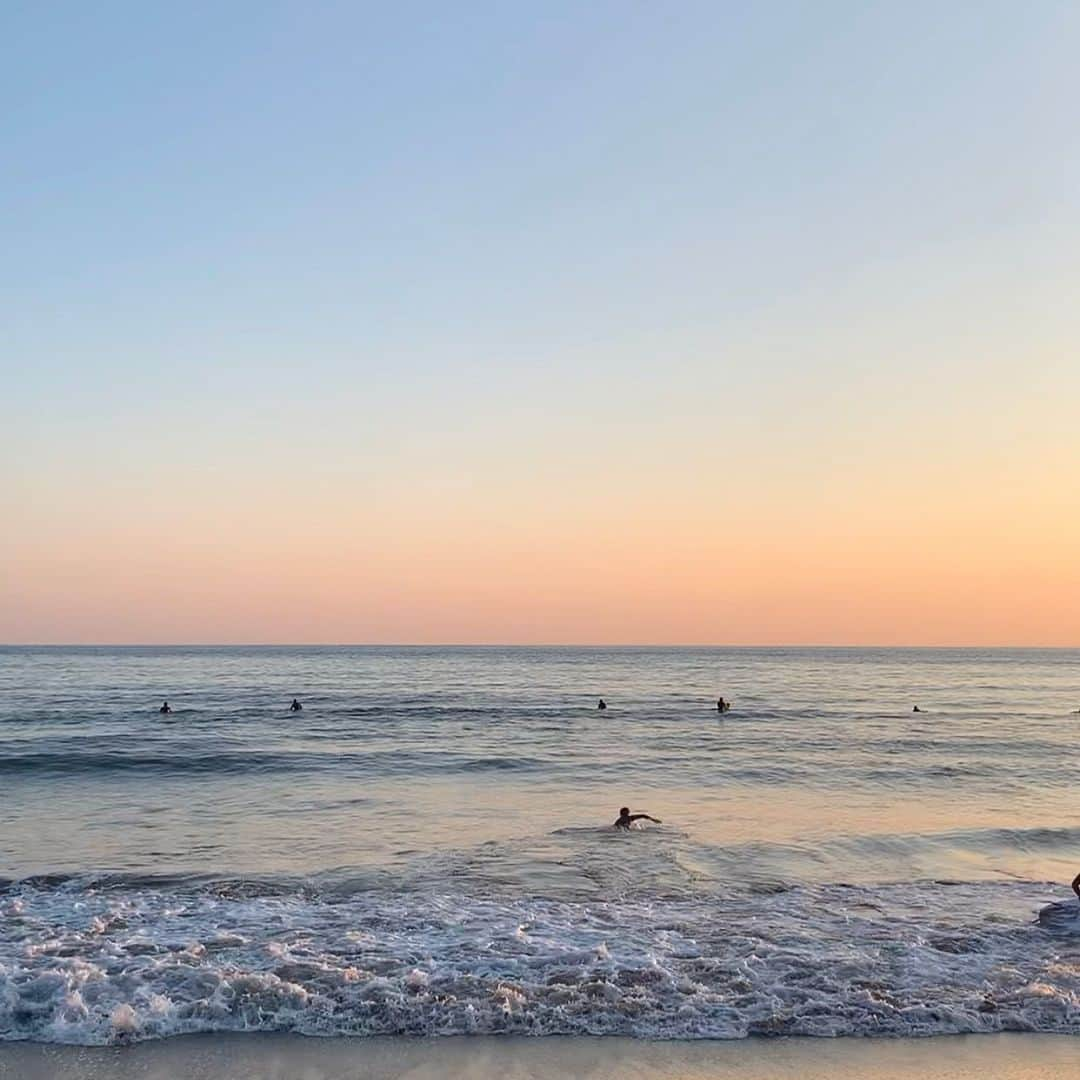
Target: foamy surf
[{"x": 90, "y": 965}]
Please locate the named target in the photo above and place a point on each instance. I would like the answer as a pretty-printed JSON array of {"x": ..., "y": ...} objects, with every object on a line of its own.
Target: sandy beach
[{"x": 289, "y": 1057}]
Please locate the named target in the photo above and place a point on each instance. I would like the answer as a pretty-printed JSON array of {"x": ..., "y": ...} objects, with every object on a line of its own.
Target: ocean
[{"x": 427, "y": 848}]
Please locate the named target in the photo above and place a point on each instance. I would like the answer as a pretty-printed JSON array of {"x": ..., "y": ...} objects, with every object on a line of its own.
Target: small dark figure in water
[
  {"x": 1076, "y": 886},
  {"x": 295, "y": 706},
  {"x": 625, "y": 817},
  {"x": 916, "y": 709},
  {"x": 165, "y": 708},
  {"x": 722, "y": 705},
  {"x": 602, "y": 705}
]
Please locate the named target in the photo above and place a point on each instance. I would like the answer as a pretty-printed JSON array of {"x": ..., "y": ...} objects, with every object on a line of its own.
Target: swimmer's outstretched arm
[
  {"x": 657, "y": 821},
  {"x": 1076, "y": 886}
]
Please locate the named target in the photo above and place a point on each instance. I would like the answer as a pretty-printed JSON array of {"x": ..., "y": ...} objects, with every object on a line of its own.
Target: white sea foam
[{"x": 100, "y": 966}]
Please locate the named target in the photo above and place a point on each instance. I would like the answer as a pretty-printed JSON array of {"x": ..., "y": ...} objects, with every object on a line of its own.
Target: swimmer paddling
[{"x": 625, "y": 818}]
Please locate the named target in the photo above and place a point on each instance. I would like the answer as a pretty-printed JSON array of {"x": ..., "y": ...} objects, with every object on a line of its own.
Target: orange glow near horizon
[
  {"x": 754, "y": 324},
  {"x": 844, "y": 562}
]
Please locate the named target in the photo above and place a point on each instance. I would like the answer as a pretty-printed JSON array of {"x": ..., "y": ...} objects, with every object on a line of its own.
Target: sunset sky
[{"x": 549, "y": 322}]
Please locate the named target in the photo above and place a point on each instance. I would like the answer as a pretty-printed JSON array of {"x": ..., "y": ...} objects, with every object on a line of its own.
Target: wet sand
[{"x": 291, "y": 1057}]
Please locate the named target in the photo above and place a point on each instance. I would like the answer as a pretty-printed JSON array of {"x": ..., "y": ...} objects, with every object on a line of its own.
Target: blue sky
[{"x": 369, "y": 248}]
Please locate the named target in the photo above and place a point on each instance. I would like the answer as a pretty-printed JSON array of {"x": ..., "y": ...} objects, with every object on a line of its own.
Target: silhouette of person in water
[
  {"x": 165, "y": 708},
  {"x": 602, "y": 704},
  {"x": 916, "y": 709},
  {"x": 625, "y": 817},
  {"x": 1076, "y": 886},
  {"x": 722, "y": 705},
  {"x": 295, "y": 706}
]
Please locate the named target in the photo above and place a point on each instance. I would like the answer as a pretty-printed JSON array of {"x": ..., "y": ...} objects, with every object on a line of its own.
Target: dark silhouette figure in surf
[
  {"x": 295, "y": 706},
  {"x": 165, "y": 708},
  {"x": 1058, "y": 916},
  {"x": 625, "y": 817},
  {"x": 722, "y": 706},
  {"x": 916, "y": 709},
  {"x": 602, "y": 704}
]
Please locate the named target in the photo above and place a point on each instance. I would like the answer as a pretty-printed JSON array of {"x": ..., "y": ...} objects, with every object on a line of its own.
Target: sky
[{"x": 619, "y": 322}]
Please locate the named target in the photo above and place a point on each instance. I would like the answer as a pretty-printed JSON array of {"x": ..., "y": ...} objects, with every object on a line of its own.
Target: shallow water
[
  {"x": 287, "y": 1057},
  {"x": 427, "y": 846}
]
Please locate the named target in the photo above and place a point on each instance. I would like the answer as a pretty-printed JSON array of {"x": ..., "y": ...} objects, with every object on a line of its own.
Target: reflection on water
[
  {"x": 427, "y": 847},
  {"x": 820, "y": 773}
]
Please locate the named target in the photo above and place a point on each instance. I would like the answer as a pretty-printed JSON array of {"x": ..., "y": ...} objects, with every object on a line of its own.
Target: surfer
[
  {"x": 602, "y": 704},
  {"x": 1076, "y": 886},
  {"x": 722, "y": 705},
  {"x": 916, "y": 709},
  {"x": 295, "y": 706},
  {"x": 625, "y": 817},
  {"x": 165, "y": 708}
]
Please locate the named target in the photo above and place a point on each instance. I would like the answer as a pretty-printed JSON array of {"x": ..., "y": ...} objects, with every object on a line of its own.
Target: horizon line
[{"x": 499, "y": 645}]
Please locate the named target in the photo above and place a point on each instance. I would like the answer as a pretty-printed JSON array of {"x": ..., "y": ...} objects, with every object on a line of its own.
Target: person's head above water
[{"x": 624, "y": 811}]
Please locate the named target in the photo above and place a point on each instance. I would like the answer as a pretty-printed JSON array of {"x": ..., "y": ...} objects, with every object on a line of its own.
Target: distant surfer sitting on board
[
  {"x": 601, "y": 704},
  {"x": 722, "y": 705},
  {"x": 625, "y": 818},
  {"x": 165, "y": 708},
  {"x": 295, "y": 706}
]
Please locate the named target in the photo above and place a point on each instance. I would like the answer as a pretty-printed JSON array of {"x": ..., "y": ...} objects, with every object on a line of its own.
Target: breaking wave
[{"x": 115, "y": 961}]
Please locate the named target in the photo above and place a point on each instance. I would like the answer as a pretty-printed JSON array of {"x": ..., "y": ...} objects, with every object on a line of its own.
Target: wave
[
  {"x": 84, "y": 964},
  {"x": 1016, "y": 839},
  {"x": 82, "y": 762}
]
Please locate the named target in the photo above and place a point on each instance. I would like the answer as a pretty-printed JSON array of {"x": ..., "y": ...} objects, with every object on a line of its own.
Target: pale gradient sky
[{"x": 553, "y": 322}]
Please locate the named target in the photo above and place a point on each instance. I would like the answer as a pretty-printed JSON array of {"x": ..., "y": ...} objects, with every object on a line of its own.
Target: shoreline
[{"x": 271, "y": 1056}]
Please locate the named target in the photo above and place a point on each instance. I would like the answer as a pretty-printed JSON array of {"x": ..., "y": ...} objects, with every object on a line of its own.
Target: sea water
[{"x": 427, "y": 848}]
